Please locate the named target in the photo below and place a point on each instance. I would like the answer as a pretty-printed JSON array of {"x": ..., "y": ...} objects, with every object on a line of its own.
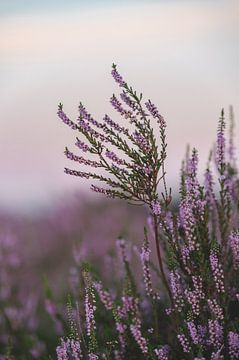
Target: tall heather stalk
[
  {"x": 129, "y": 161},
  {"x": 197, "y": 242}
]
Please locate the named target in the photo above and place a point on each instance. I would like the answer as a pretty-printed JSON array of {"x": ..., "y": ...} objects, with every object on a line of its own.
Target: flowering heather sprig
[
  {"x": 177, "y": 290},
  {"x": 234, "y": 245},
  {"x": 69, "y": 349},
  {"x": 221, "y": 145},
  {"x": 117, "y": 77},
  {"x": 156, "y": 208},
  {"x": 118, "y": 107},
  {"x": 217, "y": 272},
  {"x": 90, "y": 307},
  {"x": 81, "y": 145},
  {"x": 112, "y": 156},
  {"x": 128, "y": 101},
  {"x": 115, "y": 126},
  {"x": 215, "y": 309},
  {"x": 144, "y": 256},
  {"x": 208, "y": 184},
  {"x": 162, "y": 353},
  {"x": 184, "y": 343},
  {"x": 193, "y": 332},
  {"x": 155, "y": 113},
  {"x": 81, "y": 160},
  {"x": 65, "y": 119},
  {"x": 233, "y": 344},
  {"x": 137, "y": 181},
  {"x": 140, "y": 339},
  {"x": 142, "y": 142},
  {"x": 215, "y": 333},
  {"x": 104, "y": 295},
  {"x": 195, "y": 296}
]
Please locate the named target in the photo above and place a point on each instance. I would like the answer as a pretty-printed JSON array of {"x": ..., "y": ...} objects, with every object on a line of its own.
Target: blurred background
[{"x": 183, "y": 55}]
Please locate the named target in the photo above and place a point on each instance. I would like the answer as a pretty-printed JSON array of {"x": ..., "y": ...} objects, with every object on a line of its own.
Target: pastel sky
[{"x": 183, "y": 55}]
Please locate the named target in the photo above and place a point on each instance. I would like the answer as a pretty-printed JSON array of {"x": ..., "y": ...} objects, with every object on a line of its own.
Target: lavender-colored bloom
[
  {"x": 99, "y": 190},
  {"x": 215, "y": 309},
  {"x": 86, "y": 127},
  {"x": 142, "y": 342},
  {"x": 193, "y": 332},
  {"x": 104, "y": 295},
  {"x": 81, "y": 145},
  {"x": 177, "y": 290},
  {"x": 118, "y": 106},
  {"x": 233, "y": 345},
  {"x": 156, "y": 208},
  {"x": 61, "y": 350},
  {"x": 144, "y": 255},
  {"x": 217, "y": 273},
  {"x": 142, "y": 142},
  {"x": 195, "y": 296},
  {"x": 184, "y": 343},
  {"x": 155, "y": 113},
  {"x": 208, "y": 183},
  {"x": 128, "y": 101},
  {"x": 215, "y": 333},
  {"x": 77, "y": 173},
  {"x": 117, "y": 77},
  {"x": 234, "y": 245},
  {"x": 81, "y": 160},
  {"x": 221, "y": 144},
  {"x": 162, "y": 353},
  {"x": 65, "y": 119},
  {"x": 112, "y": 156},
  {"x": 115, "y": 126}
]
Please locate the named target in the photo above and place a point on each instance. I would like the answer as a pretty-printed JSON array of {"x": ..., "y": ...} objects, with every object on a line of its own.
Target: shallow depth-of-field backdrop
[{"x": 183, "y": 55}]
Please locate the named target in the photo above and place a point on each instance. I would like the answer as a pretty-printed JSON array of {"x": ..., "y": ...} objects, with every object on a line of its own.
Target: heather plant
[{"x": 191, "y": 311}]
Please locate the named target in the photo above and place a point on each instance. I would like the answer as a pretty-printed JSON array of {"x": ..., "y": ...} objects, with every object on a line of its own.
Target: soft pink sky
[{"x": 184, "y": 55}]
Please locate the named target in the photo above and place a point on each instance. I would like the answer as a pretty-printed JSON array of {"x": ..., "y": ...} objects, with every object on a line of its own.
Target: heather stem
[{"x": 164, "y": 279}]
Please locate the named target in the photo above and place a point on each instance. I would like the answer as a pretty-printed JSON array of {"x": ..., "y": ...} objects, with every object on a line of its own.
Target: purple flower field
[{"x": 145, "y": 271}]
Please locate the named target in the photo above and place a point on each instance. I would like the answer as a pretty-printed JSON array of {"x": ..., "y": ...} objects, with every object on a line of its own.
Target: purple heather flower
[
  {"x": 112, "y": 156},
  {"x": 142, "y": 142},
  {"x": 128, "y": 101},
  {"x": 69, "y": 349},
  {"x": 215, "y": 333},
  {"x": 81, "y": 160},
  {"x": 195, "y": 296},
  {"x": 117, "y": 77},
  {"x": 65, "y": 119},
  {"x": 193, "y": 332},
  {"x": 156, "y": 208},
  {"x": 155, "y": 113},
  {"x": 144, "y": 255},
  {"x": 118, "y": 106},
  {"x": 104, "y": 295},
  {"x": 215, "y": 309},
  {"x": 115, "y": 126},
  {"x": 177, "y": 290},
  {"x": 81, "y": 145},
  {"x": 234, "y": 245},
  {"x": 142, "y": 342},
  {"x": 233, "y": 344},
  {"x": 77, "y": 173},
  {"x": 221, "y": 144},
  {"x": 217, "y": 272},
  {"x": 162, "y": 353},
  {"x": 184, "y": 343}
]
